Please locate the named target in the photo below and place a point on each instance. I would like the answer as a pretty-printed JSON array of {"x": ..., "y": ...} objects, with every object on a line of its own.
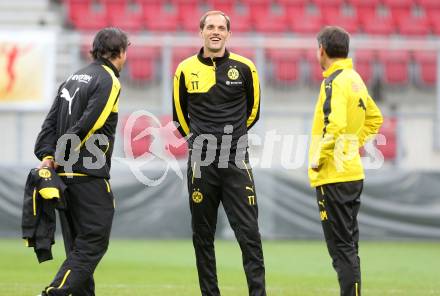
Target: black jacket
[
  {"x": 210, "y": 94},
  {"x": 43, "y": 193},
  {"x": 86, "y": 105}
]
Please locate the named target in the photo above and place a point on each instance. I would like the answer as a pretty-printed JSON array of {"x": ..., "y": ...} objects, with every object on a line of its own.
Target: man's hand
[
  {"x": 315, "y": 167},
  {"x": 48, "y": 163}
]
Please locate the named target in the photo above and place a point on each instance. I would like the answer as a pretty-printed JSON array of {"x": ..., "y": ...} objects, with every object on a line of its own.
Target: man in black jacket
[
  {"x": 216, "y": 100},
  {"x": 77, "y": 140}
]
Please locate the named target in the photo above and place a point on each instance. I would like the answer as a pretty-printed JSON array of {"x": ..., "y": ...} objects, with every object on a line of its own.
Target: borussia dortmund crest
[
  {"x": 197, "y": 196},
  {"x": 233, "y": 74},
  {"x": 44, "y": 173}
]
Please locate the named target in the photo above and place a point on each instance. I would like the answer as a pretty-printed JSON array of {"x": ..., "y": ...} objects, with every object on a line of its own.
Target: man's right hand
[{"x": 48, "y": 163}]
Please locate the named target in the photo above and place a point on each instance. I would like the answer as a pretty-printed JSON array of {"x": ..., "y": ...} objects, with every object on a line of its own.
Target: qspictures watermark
[{"x": 292, "y": 150}]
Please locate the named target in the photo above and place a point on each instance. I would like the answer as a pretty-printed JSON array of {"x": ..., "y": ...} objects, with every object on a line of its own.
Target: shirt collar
[
  {"x": 208, "y": 61},
  {"x": 337, "y": 65},
  {"x": 102, "y": 61}
]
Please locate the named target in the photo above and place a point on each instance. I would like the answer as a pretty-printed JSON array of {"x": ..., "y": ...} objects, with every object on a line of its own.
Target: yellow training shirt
[{"x": 345, "y": 117}]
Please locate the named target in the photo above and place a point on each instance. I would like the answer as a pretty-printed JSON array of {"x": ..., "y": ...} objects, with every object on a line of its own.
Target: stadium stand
[
  {"x": 305, "y": 21},
  {"x": 426, "y": 62},
  {"x": 376, "y": 17},
  {"x": 286, "y": 65},
  {"x": 267, "y": 18},
  {"x": 412, "y": 18},
  {"x": 364, "y": 65},
  {"x": 395, "y": 66},
  {"x": 345, "y": 18},
  {"x": 141, "y": 63}
]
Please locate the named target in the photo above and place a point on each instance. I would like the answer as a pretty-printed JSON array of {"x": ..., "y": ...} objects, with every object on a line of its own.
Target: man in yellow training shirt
[{"x": 345, "y": 117}]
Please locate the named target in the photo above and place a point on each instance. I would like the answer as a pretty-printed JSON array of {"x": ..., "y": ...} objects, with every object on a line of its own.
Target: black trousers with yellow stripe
[
  {"x": 86, "y": 229},
  {"x": 339, "y": 206},
  {"x": 234, "y": 188}
]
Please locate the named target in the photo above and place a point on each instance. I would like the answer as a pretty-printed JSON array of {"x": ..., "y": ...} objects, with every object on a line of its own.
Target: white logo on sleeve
[{"x": 65, "y": 94}]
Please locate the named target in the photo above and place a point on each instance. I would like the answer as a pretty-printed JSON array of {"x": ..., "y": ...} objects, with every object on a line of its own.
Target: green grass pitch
[{"x": 293, "y": 268}]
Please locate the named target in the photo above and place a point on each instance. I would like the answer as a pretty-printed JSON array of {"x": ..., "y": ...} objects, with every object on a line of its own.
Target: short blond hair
[{"x": 213, "y": 12}]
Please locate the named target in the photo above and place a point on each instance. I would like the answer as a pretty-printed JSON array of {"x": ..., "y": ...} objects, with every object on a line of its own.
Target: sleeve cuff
[{"x": 48, "y": 157}]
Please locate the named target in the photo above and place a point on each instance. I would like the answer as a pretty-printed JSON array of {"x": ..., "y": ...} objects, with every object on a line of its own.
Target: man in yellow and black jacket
[
  {"x": 216, "y": 100},
  {"x": 77, "y": 139},
  {"x": 345, "y": 117}
]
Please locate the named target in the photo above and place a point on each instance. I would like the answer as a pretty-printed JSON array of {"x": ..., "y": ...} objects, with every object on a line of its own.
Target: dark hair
[
  {"x": 335, "y": 41},
  {"x": 212, "y": 12},
  {"x": 109, "y": 43}
]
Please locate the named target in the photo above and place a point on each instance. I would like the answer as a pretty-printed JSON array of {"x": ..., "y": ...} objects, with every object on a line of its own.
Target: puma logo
[
  {"x": 249, "y": 188},
  {"x": 362, "y": 105},
  {"x": 66, "y": 95},
  {"x": 195, "y": 74}
]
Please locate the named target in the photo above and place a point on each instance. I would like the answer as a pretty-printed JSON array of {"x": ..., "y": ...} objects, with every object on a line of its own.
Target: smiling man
[{"x": 216, "y": 100}]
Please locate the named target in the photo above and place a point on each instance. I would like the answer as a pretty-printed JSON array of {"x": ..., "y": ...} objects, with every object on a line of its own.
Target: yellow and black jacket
[
  {"x": 44, "y": 192},
  {"x": 86, "y": 104},
  {"x": 345, "y": 117},
  {"x": 209, "y": 94}
]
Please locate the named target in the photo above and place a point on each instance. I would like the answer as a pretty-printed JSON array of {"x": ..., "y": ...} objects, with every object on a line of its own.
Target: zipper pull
[{"x": 213, "y": 63}]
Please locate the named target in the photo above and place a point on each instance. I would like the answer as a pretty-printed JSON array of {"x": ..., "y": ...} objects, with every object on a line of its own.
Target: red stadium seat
[
  {"x": 338, "y": 18},
  {"x": 159, "y": 17},
  {"x": 434, "y": 20},
  {"x": 184, "y": 2},
  {"x": 427, "y": 65},
  {"x": 240, "y": 21},
  {"x": 293, "y": 7},
  {"x": 265, "y": 18},
  {"x": 294, "y": 2},
  {"x": 74, "y": 7},
  {"x": 286, "y": 64},
  {"x": 240, "y": 18},
  {"x": 407, "y": 23},
  {"x": 429, "y": 4},
  {"x": 365, "y": 3},
  {"x": 378, "y": 24},
  {"x": 124, "y": 15},
  {"x": 87, "y": 16},
  {"x": 328, "y": 4},
  {"x": 396, "y": 64},
  {"x": 399, "y": 10},
  {"x": 189, "y": 18},
  {"x": 363, "y": 64},
  {"x": 414, "y": 26},
  {"x": 365, "y": 7},
  {"x": 305, "y": 23},
  {"x": 399, "y": 4},
  {"x": 223, "y": 5},
  {"x": 141, "y": 62}
]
